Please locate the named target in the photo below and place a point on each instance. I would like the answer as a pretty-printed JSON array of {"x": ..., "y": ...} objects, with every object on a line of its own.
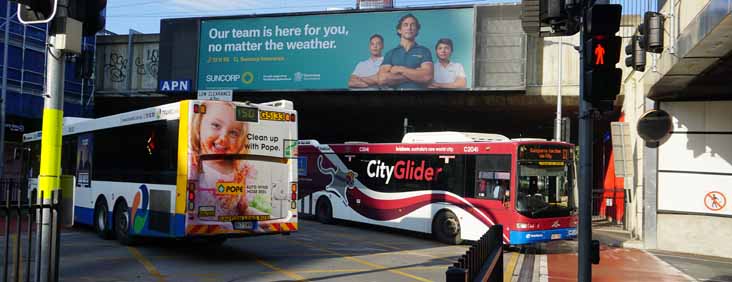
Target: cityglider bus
[
  {"x": 208, "y": 169},
  {"x": 453, "y": 185}
]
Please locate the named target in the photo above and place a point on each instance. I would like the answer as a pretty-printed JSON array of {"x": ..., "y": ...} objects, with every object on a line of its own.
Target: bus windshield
[{"x": 545, "y": 189}]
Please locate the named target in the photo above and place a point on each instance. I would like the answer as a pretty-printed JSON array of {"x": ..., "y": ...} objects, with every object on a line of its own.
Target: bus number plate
[
  {"x": 243, "y": 225},
  {"x": 556, "y": 236}
]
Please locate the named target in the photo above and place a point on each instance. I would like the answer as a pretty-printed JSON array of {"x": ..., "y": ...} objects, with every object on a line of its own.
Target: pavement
[{"x": 622, "y": 258}]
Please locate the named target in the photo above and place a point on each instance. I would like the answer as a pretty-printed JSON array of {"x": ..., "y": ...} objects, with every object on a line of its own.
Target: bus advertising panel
[
  {"x": 409, "y": 50},
  {"x": 240, "y": 165}
]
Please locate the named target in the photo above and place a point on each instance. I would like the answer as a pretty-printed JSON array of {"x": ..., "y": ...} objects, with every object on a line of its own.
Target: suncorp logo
[
  {"x": 402, "y": 170},
  {"x": 223, "y": 77}
]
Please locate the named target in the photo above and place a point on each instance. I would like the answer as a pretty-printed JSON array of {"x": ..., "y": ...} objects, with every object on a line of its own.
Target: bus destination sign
[
  {"x": 534, "y": 152},
  {"x": 247, "y": 114}
]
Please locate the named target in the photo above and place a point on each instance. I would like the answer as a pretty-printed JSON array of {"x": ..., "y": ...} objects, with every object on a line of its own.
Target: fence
[
  {"x": 19, "y": 220},
  {"x": 483, "y": 261}
]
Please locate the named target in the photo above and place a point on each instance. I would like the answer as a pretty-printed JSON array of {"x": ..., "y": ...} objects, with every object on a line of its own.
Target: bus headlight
[{"x": 522, "y": 225}]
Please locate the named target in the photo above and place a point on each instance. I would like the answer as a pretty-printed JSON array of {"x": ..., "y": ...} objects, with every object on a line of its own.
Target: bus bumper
[{"x": 537, "y": 236}]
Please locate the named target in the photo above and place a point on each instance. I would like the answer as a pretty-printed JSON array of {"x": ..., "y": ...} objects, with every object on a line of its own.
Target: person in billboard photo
[
  {"x": 215, "y": 133},
  {"x": 409, "y": 65},
  {"x": 448, "y": 74},
  {"x": 364, "y": 75}
]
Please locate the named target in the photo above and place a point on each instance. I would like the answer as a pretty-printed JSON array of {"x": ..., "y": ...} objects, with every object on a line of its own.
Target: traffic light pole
[
  {"x": 584, "y": 234},
  {"x": 49, "y": 178}
]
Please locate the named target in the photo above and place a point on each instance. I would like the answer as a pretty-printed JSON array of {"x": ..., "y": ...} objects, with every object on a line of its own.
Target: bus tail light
[
  {"x": 294, "y": 191},
  {"x": 191, "y": 195}
]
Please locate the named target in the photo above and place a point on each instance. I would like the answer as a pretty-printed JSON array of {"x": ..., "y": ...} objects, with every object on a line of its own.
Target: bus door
[
  {"x": 492, "y": 178},
  {"x": 82, "y": 189}
]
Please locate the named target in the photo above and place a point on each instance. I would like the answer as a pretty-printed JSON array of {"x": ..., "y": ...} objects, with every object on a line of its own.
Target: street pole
[
  {"x": 558, "y": 121},
  {"x": 5, "y": 85},
  {"x": 584, "y": 234},
  {"x": 49, "y": 178}
]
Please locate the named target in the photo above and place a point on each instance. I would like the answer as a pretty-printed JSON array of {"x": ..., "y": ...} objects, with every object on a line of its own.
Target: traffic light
[
  {"x": 36, "y": 11},
  {"x": 652, "y": 32},
  {"x": 560, "y": 16},
  {"x": 90, "y": 13},
  {"x": 636, "y": 56},
  {"x": 602, "y": 53}
]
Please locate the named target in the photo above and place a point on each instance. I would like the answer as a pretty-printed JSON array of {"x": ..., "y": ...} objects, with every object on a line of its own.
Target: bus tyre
[
  {"x": 122, "y": 224},
  {"x": 101, "y": 220},
  {"x": 324, "y": 211},
  {"x": 446, "y": 228}
]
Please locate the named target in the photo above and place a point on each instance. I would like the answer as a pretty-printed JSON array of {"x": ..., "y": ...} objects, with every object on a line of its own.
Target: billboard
[{"x": 409, "y": 50}]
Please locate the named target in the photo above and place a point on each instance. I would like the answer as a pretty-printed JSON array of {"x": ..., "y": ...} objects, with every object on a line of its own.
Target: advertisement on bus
[
  {"x": 406, "y": 50},
  {"x": 240, "y": 164}
]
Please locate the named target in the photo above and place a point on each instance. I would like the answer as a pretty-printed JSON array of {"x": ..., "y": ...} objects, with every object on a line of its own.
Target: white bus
[{"x": 209, "y": 169}]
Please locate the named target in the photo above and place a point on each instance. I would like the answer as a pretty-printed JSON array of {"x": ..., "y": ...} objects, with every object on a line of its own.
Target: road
[{"x": 317, "y": 252}]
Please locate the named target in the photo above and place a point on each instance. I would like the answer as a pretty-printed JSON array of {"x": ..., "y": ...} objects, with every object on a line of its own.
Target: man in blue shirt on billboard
[{"x": 409, "y": 65}]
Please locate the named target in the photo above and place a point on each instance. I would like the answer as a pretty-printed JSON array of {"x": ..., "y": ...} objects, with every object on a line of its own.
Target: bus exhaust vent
[
  {"x": 160, "y": 211},
  {"x": 451, "y": 137}
]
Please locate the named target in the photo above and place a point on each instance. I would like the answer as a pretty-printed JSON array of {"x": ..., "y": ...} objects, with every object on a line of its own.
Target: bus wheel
[
  {"x": 446, "y": 228},
  {"x": 122, "y": 224},
  {"x": 323, "y": 211},
  {"x": 101, "y": 221}
]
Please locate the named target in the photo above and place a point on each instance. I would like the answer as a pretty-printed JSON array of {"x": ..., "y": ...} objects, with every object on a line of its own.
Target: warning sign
[{"x": 715, "y": 201}]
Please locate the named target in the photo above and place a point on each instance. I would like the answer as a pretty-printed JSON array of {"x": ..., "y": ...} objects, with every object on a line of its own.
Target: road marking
[
  {"x": 511, "y": 266},
  {"x": 354, "y": 270},
  {"x": 374, "y": 266},
  {"x": 517, "y": 272},
  {"x": 544, "y": 269},
  {"x": 344, "y": 235},
  {"x": 282, "y": 271},
  {"x": 146, "y": 263}
]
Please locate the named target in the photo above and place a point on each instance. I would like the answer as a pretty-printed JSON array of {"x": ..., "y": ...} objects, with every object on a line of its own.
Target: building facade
[{"x": 25, "y": 78}]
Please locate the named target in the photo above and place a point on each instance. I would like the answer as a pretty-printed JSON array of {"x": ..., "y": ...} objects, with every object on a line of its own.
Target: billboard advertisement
[{"x": 409, "y": 50}]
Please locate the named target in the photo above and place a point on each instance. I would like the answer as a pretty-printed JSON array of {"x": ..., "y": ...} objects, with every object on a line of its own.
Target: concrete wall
[
  {"x": 115, "y": 69},
  {"x": 698, "y": 234}
]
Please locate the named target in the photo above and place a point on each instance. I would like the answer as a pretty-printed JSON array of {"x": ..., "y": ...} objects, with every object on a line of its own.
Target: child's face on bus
[{"x": 220, "y": 132}]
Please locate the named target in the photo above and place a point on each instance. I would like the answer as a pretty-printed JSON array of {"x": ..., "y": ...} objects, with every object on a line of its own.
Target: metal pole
[
  {"x": 49, "y": 178},
  {"x": 558, "y": 121},
  {"x": 584, "y": 273},
  {"x": 5, "y": 85}
]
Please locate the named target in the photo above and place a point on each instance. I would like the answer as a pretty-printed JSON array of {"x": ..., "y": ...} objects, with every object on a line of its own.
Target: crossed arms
[{"x": 389, "y": 75}]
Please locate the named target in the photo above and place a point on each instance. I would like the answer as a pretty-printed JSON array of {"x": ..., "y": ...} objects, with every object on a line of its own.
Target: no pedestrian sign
[{"x": 715, "y": 201}]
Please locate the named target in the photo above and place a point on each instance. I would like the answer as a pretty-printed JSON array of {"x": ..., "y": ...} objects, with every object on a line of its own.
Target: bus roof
[
  {"x": 451, "y": 137},
  {"x": 163, "y": 112}
]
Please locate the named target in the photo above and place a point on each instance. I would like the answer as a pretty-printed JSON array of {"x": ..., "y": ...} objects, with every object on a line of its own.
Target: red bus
[{"x": 449, "y": 184}]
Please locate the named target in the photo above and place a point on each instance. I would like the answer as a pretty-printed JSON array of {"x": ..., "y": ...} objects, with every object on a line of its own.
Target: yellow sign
[
  {"x": 243, "y": 217},
  {"x": 223, "y": 188},
  {"x": 552, "y": 163}
]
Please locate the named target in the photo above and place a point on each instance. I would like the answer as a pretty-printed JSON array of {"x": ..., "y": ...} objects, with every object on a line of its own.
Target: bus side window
[{"x": 492, "y": 177}]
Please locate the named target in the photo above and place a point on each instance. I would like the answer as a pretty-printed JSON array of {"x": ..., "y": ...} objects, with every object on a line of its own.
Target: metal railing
[
  {"x": 483, "y": 261},
  {"x": 20, "y": 223}
]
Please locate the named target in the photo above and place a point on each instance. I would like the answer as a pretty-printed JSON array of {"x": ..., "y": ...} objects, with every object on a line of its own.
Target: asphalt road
[{"x": 317, "y": 252}]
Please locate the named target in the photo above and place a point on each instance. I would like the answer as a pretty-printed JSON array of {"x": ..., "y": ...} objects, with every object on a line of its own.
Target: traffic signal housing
[
  {"x": 36, "y": 11},
  {"x": 90, "y": 13},
  {"x": 652, "y": 32},
  {"x": 636, "y": 56},
  {"x": 602, "y": 53}
]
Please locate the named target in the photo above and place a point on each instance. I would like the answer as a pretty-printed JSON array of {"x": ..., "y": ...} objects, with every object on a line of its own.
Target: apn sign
[{"x": 174, "y": 85}]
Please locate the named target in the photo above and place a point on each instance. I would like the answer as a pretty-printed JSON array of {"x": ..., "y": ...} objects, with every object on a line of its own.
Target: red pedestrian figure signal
[{"x": 599, "y": 55}]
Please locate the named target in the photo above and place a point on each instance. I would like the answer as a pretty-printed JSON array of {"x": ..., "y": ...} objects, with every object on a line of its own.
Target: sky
[{"x": 144, "y": 15}]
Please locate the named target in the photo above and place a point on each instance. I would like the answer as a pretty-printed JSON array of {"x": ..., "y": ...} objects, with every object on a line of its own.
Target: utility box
[{"x": 68, "y": 38}]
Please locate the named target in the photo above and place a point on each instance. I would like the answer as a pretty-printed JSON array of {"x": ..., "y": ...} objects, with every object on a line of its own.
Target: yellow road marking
[
  {"x": 315, "y": 271},
  {"x": 389, "y": 246},
  {"x": 508, "y": 272},
  {"x": 282, "y": 271},
  {"x": 374, "y": 266},
  {"x": 146, "y": 263}
]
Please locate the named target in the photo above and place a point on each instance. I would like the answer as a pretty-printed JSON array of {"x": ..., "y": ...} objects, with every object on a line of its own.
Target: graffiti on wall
[{"x": 118, "y": 69}]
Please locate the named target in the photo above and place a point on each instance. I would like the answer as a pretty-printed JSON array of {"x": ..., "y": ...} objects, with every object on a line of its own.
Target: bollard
[{"x": 454, "y": 274}]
